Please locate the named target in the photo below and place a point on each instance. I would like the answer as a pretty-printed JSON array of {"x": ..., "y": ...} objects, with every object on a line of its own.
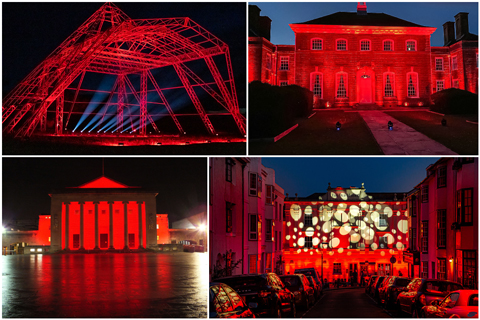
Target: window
[
  {"x": 268, "y": 263},
  {"x": 413, "y": 238},
  {"x": 383, "y": 242},
  {"x": 283, "y": 83},
  {"x": 229, "y": 216},
  {"x": 229, "y": 163},
  {"x": 412, "y": 85},
  {"x": 308, "y": 216},
  {"x": 252, "y": 263},
  {"x": 365, "y": 45},
  {"x": 442, "y": 269},
  {"x": 283, "y": 63},
  {"x": 104, "y": 211},
  {"x": 441, "y": 177},
  {"x": 316, "y": 84},
  {"x": 90, "y": 211},
  {"x": 424, "y": 235},
  {"x": 465, "y": 206},
  {"x": 440, "y": 85},
  {"x": 255, "y": 185},
  {"x": 268, "y": 230},
  {"x": 411, "y": 45},
  {"x": 337, "y": 268},
  {"x": 383, "y": 221},
  {"x": 308, "y": 242},
  {"x": 388, "y": 84},
  {"x": 456, "y": 83},
  {"x": 413, "y": 206},
  {"x": 269, "y": 62},
  {"x": 269, "y": 194},
  {"x": 253, "y": 234},
  {"x": 317, "y": 44},
  {"x": 387, "y": 45},
  {"x": 469, "y": 269},
  {"x": 425, "y": 193},
  {"x": 341, "y": 45},
  {"x": 454, "y": 63},
  {"x": 441, "y": 228},
  {"x": 341, "y": 84},
  {"x": 424, "y": 274},
  {"x": 438, "y": 64}
]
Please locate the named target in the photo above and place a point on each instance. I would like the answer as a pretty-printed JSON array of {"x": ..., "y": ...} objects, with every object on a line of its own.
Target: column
[
  {"x": 110, "y": 209},
  {"x": 96, "y": 225},
  {"x": 82, "y": 222},
  {"x": 67, "y": 220},
  {"x": 125, "y": 214},
  {"x": 140, "y": 228}
]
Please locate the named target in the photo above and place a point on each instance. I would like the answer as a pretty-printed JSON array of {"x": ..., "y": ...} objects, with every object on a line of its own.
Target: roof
[
  {"x": 369, "y": 19},
  {"x": 103, "y": 182}
]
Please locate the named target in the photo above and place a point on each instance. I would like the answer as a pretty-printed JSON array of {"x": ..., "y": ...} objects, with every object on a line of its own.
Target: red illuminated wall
[
  {"x": 43, "y": 236},
  {"x": 163, "y": 235}
]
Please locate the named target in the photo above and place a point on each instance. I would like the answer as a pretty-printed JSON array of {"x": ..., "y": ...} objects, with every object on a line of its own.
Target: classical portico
[{"x": 103, "y": 215}]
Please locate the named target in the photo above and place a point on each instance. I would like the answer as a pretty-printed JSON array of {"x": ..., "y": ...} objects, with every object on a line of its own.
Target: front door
[
  {"x": 104, "y": 240},
  {"x": 131, "y": 240},
  {"x": 76, "y": 241},
  {"x": 365, "y": 83}
]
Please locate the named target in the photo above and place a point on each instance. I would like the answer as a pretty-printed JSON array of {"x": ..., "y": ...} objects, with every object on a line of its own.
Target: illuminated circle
[
  {"x": 296, "y": 212},
  {"x": 294, "y": 244},
  {"x": 345, "y": 229},
  {"x": 399, "y": 237},
  {"x": 295, "y": 229},
  {"x": 308, "y": 210},
  {"x": 378, "y": 207},
  {"x": 289, "y": 224},
  {"x": 318, "y": 234},
  {"x": 398, "y": 213},
  {"x": 305, "y": 249},
  {"x": 287, "y": 237},
  {"x": 330, "y": 204},
  {"x": 299, "y": 250},
  {"x": 314, "y": 202},
  {"x": 403, "y": 226},
  {"x": 363, "y": 225},
  {"x": 335, "y": 242},
  {"x": 349, "y": 253},
  {"x": 382, "y": 253},
  {"x": 342, "y": 206},
  {"x": 388, "y": 211},
  {"x": 315, "y": 241},
  {"x": 333, "y": 195},
  {"x": 354, "y": 238},
  {"x": 371, "y": 207},
  {"x": 341, "y": 216},
  {"x": 330, "y": 253},
  {"x": 300, "y": 233},
  {"x": 311, "y": 252},
  {"x": 355, "y": 191},
  {"x": 375, "y": 216},
  {"x": 300, "y": 225},
  {"x": 324, "y": 238},
  {"x": 363, "y": 205},
  {"x": 340, "y": 250},
  {"x": 368, "y": 234},
  {"x": 343, "y": 195},
  {"x": 294, "y": 237},
  {"x": 318, "y": 228},
  {"x": 310, "y": 232},
  {"x": 394, "y": 231},
  {"x": 314, "y": 221},
  {"x": 354, "y": 210},
  {"x": 327, "y": 227},
  {"x": 301, "y": 242},
  {"x": 390, "y": 239},
  {"x": 374, "y": 246},
  {"x": 391, "y": 251},
  {"x": 399, "y": 246}
]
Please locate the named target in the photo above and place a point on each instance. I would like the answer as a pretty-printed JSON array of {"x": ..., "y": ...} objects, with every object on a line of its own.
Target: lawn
[
  {"x": 459, "y": 135},
  {"x": 318, "y": 136}
]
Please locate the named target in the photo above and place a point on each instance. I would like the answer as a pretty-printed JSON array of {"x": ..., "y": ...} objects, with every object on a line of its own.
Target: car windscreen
[
  {"x": 305, "y": 272},
  {"x": 441, "y": 287},
  {"x": 399, "y": 282},
  {"x": 294, "y": 281},
  {"x": 251, "y": 283}
]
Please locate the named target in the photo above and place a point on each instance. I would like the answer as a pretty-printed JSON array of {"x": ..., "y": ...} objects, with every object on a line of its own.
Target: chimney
[
  {"x": 461, "y": 24},
  {"x": 258, "y": 24},
  {"x": 361, "y": 8},
  {"x": 448, "y": 33}
]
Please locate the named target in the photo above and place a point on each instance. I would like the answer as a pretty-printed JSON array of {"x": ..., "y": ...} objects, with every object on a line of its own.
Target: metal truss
[{"x": 109, "y": 42}]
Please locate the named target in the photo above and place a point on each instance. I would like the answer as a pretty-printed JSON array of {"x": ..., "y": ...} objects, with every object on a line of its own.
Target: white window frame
[
  {"x": 368, "y": 43},
  {"x": 346, "y": 44},
  {"x": 314, "y": 40},
  {"x": 392, "y": 82},
  {"x": 415, "y": 84},
  {"x": 253, "y": 233},
  {"x": 284, "y": 63},
  {"x": 437, "y": 65},
  {"x": 337, "y": 83},
  {"x": 454, "y": 63},
  {"x": 253, "y": 190},
  {"x": 407, "y": 42},
  {"x": 391, "y": 45},
  {"x": 438, "y": 82},
  {"x": 312, "y": 83}
]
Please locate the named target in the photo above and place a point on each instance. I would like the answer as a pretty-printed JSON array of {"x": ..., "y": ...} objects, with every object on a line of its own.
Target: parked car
[
  {"x": 314, "y": 274},
  {"x": 226, "y": 303},
  {"x": 315, "y": 287},
  {"x": 378, "y": 282},
  {"x": 265, "y": 294},
  {"x": 422, "y": 292},
  {"x": 300, "y": 286},
  {"x": 458, "y": 304},
  {"x": 391, "y": 287},
  {"x": 370, "y": 283}
]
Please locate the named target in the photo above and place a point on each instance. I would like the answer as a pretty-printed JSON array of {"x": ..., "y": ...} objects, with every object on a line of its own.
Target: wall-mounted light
[
  {"x": 390, "y": 125},
  {"x": 450, "y": 260},
  {"x": 444, "y": 122},
  {"x": 338, "y": 126}
]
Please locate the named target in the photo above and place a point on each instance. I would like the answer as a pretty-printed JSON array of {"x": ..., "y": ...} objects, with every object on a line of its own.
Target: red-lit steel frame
[{"x": 109, "y": 42}]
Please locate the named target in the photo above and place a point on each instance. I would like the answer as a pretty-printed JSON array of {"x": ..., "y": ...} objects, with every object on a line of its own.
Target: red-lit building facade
[
  {"x": 358, "y": 58},
  {"x": 444, "y": 222},
  {"x": 346, "y": 232}
]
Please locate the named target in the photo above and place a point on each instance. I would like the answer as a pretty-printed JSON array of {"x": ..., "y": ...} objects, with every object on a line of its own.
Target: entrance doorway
[
  {"x": 131, "y": 240},
  {"x": 365, "y": 89},
  {"x": 103, "y": 240},
  {"x": 76, "y": 241}
]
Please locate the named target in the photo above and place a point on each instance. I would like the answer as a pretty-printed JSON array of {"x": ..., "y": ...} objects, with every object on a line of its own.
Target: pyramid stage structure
[{"x": 154, "y": 80}]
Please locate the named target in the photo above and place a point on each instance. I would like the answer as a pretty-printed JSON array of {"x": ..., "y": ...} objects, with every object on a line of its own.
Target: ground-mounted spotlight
[
  {"x": 390, "y": 125},
  {"x": 338, "y": 125},
  {"x": 420, "y": 104},
  {"x": 406, "y": 104},
  {"x": 159, "y": 143},
  {"x": 121, "y": 144},
  {"x": 444, "y": 122},
  {"x": 187, "y": 143}
]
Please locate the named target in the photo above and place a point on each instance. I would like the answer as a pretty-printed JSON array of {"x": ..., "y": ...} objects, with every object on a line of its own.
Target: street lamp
[{"x": 324, "y": 246}]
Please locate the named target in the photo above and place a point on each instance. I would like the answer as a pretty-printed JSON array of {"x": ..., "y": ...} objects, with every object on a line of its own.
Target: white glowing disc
[
  {"x": 301, "y": 242},
  {"x": 333, "y": 195},
  {"x": 300, "y": 225},
  {"x": 399, "y": 246},
  {"x": 314, "y": 221},
  {"x": 294, "y": 237},
  {"x": 311, "y": 252},
  {"x": 403, "y": 226},
  {"x": 375, "y": 216},
  {"x": 299, "y": 250},
  {"x": 374, "y": 246},
  {"x": 399, "y": 237},
  {"x": 310, "y": 232},
  {"x": 368, "y": 234},
  {"x": 327, "y": 227},
  {"x": 335, "y": 242},
  {"x": 388, "y": 211},
  {"x": 345, "y": 229},
  {"x": 295, "y": 229},
  {"x": 295, "y": 212},
  {"x": 305, "y": 249},
  {"x": 398, "y": 213},
  {"x": 289, "y": 224},
  {"x": 343, "y": 195},
  {"x": 315, "y": 241},
  {"x": 378, "y": 207},
  {"x": 287, "y": 237},
  {"x": 308, "y": 210},
  {"x": 382, "y": 253},
  {"x": 340, "y": 250},
  {"x": 363, "y": 205},
  {"x": 354, "y": 210}
]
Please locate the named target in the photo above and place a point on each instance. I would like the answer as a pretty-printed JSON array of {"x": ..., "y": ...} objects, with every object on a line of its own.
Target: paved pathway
[{"x": 402, "y": 139}]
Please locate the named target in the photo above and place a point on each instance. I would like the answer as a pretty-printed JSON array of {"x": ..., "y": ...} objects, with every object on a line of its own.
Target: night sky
[
  {"x": 429, "y": 14},
  {"x": 31, "y": 31},
  {"x": 181, "y": 183},
  {"x": 306, "y": 176}
]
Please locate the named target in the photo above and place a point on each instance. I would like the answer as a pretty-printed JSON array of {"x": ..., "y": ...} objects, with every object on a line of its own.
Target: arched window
[
  {"x": 412, "y": 85},
  {"x": 365, "y": 45},
  {"x": 388, "y": 84},
  {"x": 388, "y": 45},
  {"x": 316, "y": 84},
  {"x": 341, "y": 85},
  {"x": 411, "y": 45},
  {"x": 342, "y": 45},
  {"x": 317, "y": 44}
]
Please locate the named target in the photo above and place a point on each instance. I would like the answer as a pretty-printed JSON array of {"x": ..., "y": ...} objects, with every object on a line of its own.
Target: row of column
[{"x": 96, "y": 203}]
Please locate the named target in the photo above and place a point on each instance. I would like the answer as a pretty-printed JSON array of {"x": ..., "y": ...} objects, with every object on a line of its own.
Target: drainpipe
[
  {"x": 454, "y": 269},
  {"x": 243, "y": 218}
]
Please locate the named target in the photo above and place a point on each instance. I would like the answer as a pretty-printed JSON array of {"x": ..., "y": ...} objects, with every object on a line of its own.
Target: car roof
[{"x": 464, "y": 296}]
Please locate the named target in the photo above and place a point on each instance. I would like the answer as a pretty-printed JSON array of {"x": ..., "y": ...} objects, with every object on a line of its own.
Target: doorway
[
  {"x": 103, "y": 240},
  {"x": 365, "y": 84},
  {"x": 131, "y": 240}
]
